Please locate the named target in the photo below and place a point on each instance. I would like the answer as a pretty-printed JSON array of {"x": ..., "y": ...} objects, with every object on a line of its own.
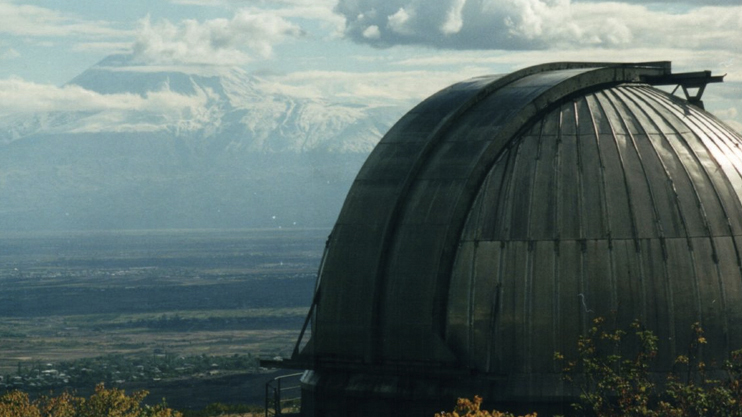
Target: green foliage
[
  {"x": 220, "y": 409},
  {"x": 471, "y": 408},
  {"x": 614, "y": 383},
  {"x": 103, "y": 403}
]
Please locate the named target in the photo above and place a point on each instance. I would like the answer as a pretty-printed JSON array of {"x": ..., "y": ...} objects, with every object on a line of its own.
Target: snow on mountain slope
[
  {"x": 142, "y": 147},
  {"x": 207, "y": 104}
]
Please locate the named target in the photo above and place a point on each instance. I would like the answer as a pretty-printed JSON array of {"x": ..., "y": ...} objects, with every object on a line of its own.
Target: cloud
[
  {"x": 104, "y": 47},
  {"x": 696, "y": 3},
  {"x": 539, "y": 24},
  {"x": 8, "y": 54},
  {"x": 317, "y": 10},
  {"x": 376, "y": 88},
  {"x": 248, "y": 35},
  {"x": 19, "y": 96},
  {"x": 34, "y": 21}
]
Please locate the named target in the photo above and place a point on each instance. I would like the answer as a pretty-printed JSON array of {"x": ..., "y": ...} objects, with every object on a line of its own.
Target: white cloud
[
  {"x": 103, "y": 47},
  {"x": 372, "y": 88},
  {"x": 542, "y": 24},
  {"x": 398, "y": 21},
  {"x": 720, "y": 62},
  {"x": 729, "y": 113},
  {"x": 34, "y": 21},
  {"x": 734, "y": 125},
  {"x": 454, "y": 21},
  {"x": 372, "y": 32},
  {"x": 318, "y": 10},
  {"x": 9, "y": 53},
  {"x": 248, "y": 35},
  {"x": 18, "y": 95}
]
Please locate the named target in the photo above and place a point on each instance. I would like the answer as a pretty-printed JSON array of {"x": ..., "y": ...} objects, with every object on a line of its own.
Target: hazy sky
[{"x": 376, "y": 50}]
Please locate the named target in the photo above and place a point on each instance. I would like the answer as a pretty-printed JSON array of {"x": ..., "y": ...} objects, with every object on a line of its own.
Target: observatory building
[{"x": 501, "y": 215}]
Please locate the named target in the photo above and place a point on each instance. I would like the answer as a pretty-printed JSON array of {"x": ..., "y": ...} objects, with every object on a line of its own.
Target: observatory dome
[{"x": 500, "y": 216}]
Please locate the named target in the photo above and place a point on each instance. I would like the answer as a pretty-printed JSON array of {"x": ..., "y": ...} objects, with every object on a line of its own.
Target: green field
[{"x": 115, "y": 301}]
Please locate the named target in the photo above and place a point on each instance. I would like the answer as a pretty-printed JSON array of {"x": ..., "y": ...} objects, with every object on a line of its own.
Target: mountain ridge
[{"x": 235, "y": 154}]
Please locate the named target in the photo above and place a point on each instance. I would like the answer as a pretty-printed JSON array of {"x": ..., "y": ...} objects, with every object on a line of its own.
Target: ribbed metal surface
[
  {"x": 620, "y": 203},
  {"x": 501, "y": 215}
]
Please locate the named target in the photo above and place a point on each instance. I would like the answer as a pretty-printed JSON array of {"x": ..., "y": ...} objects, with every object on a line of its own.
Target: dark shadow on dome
[{"x": 501, "y": 215}]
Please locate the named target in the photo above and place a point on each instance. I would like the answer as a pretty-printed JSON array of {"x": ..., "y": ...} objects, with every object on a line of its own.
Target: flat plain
[{"x": 109, "y": 302}]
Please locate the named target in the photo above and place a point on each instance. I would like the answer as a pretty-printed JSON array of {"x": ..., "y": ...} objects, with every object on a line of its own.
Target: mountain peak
[{"x": 209, "y": 105}]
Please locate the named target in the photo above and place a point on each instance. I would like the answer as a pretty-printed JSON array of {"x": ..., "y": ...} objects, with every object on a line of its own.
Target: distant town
[{"x": 119, "y": 369}]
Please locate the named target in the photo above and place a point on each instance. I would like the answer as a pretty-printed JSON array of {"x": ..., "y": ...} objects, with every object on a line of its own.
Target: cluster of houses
[{"x": 116, "y": 369}]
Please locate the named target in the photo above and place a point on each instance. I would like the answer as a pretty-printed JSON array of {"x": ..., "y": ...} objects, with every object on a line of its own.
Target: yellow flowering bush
[
  {"x": 614, "y": 385},
  {"x": 104, "y": 402},
  {"x": 469, "y": 408}
]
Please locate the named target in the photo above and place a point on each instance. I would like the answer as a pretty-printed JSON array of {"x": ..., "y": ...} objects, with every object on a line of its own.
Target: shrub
[
  {"x": 103, "y": 403},
  {"x": 469, "y": 408},
  {"x": 613, "y": 385}
]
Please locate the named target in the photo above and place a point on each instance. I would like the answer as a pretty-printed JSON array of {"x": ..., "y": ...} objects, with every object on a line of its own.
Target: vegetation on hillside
[
  {"x": 471, "y": 408},
  {"x": 613, "y": 383},
  {"x": 119, "y": 369},
  {"x": 105, "y": 402}
]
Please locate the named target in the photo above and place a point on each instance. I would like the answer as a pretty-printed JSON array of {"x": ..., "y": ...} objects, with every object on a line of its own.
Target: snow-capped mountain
[
  {"x": 208, "y": 104},
  {"x": 200, "y": 147}
]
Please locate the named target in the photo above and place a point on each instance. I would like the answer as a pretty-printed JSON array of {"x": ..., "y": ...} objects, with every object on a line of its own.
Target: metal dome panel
[{"x": 498, "y": 217}]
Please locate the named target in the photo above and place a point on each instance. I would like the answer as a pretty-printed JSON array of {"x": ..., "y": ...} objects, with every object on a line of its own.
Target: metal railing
[{"x": 283, "y": 395}]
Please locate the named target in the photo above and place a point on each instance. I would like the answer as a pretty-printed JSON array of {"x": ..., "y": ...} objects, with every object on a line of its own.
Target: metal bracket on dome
[{"x": 688, "y": 81}]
